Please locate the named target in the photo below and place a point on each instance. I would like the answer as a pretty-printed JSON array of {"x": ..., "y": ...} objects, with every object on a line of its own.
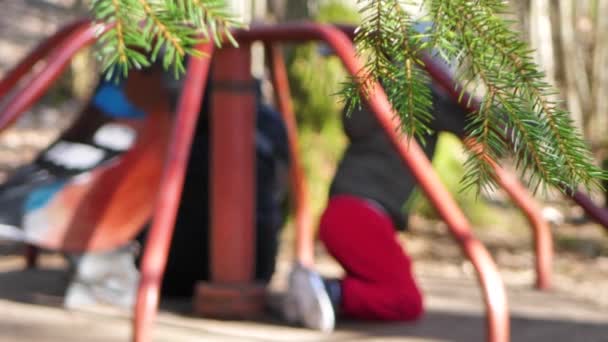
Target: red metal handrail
[
  {"x": 159, "y": 238},
  {"x": 543, "y": 240},
  {"x": 40, "y": 52},
  {"x": 542, "y": 232},
  {"x": 79, "y": 36},
  {"x": 415, "y": 159},
  {"x": 303, "y": 215}
]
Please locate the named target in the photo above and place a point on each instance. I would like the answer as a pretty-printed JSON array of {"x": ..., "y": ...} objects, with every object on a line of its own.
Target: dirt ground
[
  {"x": 580, "y": 265},
  {"x": 31, "y": 301}
]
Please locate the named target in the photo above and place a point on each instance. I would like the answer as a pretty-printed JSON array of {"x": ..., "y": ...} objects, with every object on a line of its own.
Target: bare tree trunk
[
  {"x": 541, "y": 36},
  {"x": 583, "y": 25},
  {"x": 577, "y": 83},
  {"x": 599, "y": 123},
  {"x": 259, "y": 9},
  {"x": 522, "y": 9},
  {"x": 285, "y": 10}
]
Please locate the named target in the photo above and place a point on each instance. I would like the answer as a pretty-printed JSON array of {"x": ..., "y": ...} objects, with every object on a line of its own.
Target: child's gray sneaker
[{"x": 307, "y": 302}]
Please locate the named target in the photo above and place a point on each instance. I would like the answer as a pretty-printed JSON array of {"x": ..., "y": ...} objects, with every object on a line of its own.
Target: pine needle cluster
[
  {"x": 144, "y": 31},
  {"x": 518, "y": 115}
]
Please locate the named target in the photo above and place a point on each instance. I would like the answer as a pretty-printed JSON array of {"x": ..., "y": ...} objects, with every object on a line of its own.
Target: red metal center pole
[{"x": 232, "y": 292}]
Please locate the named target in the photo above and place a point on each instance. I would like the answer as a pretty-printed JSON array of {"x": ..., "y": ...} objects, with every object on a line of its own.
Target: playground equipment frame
[{"x": 57, "y": 51}]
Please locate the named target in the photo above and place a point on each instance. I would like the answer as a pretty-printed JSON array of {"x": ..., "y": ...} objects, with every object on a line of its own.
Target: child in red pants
[{"x": 359, "y": 227}]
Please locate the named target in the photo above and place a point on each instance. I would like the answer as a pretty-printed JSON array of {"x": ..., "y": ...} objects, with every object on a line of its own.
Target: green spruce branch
[
  {"x": 143, "y": 30},
  {"x": 518, "y": 115}
]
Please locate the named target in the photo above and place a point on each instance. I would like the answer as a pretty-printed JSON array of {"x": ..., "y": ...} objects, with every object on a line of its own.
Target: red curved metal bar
[
  {"x": 12, "y": 77},
  {"x": 83, "y": 34},
  {"x": 543, "y": 240},
  {"x": 157, "y": 245},
  {"x": 542, "y": 232},
  {"x": 413, "y": 156},
  {"x": 439, "y": 74},
  {"x": 304, "y": 241}
]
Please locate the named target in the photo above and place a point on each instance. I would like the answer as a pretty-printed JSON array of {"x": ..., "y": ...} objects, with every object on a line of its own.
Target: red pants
[{"x": 379, "y": 284}]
